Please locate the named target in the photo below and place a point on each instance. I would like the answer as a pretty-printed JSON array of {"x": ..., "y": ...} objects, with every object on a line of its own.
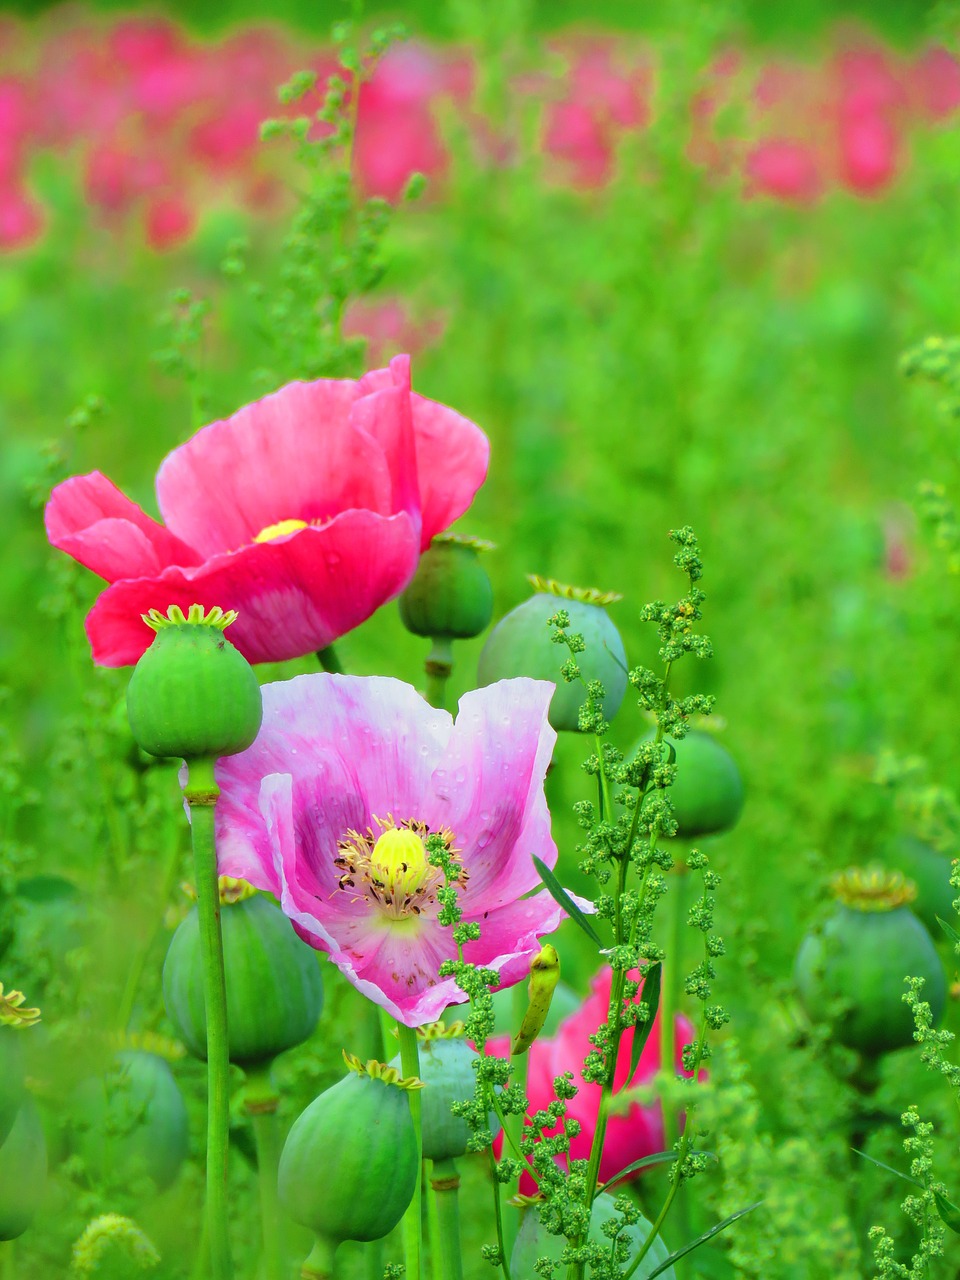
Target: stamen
[
  {"x": 390, "y": 867},
  {"x": 279, "y": 530}
]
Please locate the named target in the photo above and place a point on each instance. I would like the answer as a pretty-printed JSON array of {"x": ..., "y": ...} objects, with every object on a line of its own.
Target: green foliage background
[{"x": 656, "y": 354}]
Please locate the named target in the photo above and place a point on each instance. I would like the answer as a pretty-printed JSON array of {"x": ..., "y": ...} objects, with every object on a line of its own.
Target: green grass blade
[
  {"x": 560, "y": 895},
  {"x": 651, "y": 998},
  {"x": 667, "y": 1263}
]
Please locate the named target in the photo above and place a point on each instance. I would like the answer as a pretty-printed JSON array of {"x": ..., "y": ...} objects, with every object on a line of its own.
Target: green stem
[
  {"x": 373, "y": 1259},
  {"x": 513, "y": 1125},
  {"x": 438, "y": 666},
  {"x": 319, "y": 1265},
  {"x": 201, "y": 793},
  {"x": 445, "y": 1181},
  {"x": 683, "y": 1149},
  {"x": 670, "y": 997},
  {"x": 433, "y": 1229},
  {"x": 330, "y": 660},
  {"x": 498, "y": 1216},
  {"x": 412, "y": 1221},
  {"x": 260, "y": 1101},
  {"x": 387, "y": 1035}
]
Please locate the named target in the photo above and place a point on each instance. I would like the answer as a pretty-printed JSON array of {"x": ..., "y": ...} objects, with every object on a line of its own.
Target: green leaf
[
  {"x": 560, "y": 895},
  {"x": 949, "y": 931},
  {"x": 889, "y": 1168},
  {"x": 651, "y": 998},
  {"x": 667, "y": 1263},
  {"x": 660, "y": 1157},
  {"x": 948, "y": 1211}
]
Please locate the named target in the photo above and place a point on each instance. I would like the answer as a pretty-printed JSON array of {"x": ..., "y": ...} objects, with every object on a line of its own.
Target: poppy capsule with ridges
[
  {"x": 23, "y": 1171},
  {"x": 450, "y": 597},
  {"x": 446, "y": 1069},
  {"x": 15, "y": 1018},
  {"x": 11, "y": 1080},
  {"x": 274, "y": 983},
  {"x": 930, "y": 871},
  {"x": 131, "y": 1122},
  {"x": 850, "y": 971},
  {"x": 707, "y": 793},
  {"x": 350, "y": 1165},
  {"x": 192, "y": 693},
  {"x": 522, "y": 644}
]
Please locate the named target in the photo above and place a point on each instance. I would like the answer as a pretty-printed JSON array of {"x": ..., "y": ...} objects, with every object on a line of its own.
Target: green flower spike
[{"x": 192, "y": 693}]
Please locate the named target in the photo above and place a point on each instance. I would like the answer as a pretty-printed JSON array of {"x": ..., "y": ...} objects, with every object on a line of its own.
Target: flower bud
[
  {"x": 450, "y": 597},
  {"x": 534, "y": 1242},
  {"x": 521, "y": 644},
  {"x": 192, "y": 694},
  {"x": 349, "y": 1166},
  {"x": 23, "y": 1171},
  {"x": 849, "y": 972},
  {"x": 707, "y": 795},
  {"x": 132, "y": 1121},
  {"x": 274, "y": 983}
]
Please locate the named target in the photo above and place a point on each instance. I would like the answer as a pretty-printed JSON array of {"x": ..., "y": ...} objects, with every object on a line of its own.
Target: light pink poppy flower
[
  {"x": 329, "y": 808},
  {"x": 304, "y": 512},
  {"x": 630, "y": 1136}
]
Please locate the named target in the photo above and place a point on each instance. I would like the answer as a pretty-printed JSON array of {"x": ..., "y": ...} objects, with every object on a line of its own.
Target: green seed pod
[
  {"x": 534, "y": 1242},
  {"x": 930, "y": 871},
  {"x": 23, "y": 1171},
  {"x": 132, "y": 1121},
  {"x": 450, "y": 597},
  {"x": 15, "y": 1018},
  {"x": 521, "y": 644},
  {"x": 11, "y": 1079},
  {"x": 707, "y": 795},
  {"x": 349, "y": 1166},
  {"x": 446, "y": 1069},
  {"x": 274, "y": 983},
  {"x": 192, "y": 694},
  {"x": 850, "y": 971}
]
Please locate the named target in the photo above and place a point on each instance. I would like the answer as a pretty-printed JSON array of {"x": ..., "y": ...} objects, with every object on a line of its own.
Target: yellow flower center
[
  {"x": 399, "y": 859},
  {"x": 279, "y": 529},
  {"x": 390, "y": 868}
]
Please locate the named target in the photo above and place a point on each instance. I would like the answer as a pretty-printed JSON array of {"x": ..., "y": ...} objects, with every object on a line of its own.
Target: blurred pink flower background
[{"x": 160, "y": 127}]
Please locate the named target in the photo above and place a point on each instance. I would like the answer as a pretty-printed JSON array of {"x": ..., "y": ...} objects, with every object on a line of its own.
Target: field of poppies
[{"x": 478, "y": 632}]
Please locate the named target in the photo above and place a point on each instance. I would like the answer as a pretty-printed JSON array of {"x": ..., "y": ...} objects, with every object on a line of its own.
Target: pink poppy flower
[
  {"x": 329, "y": 809},
  {"x": 305, "y": 512},
  {"x": 630, "y": 1136}
]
